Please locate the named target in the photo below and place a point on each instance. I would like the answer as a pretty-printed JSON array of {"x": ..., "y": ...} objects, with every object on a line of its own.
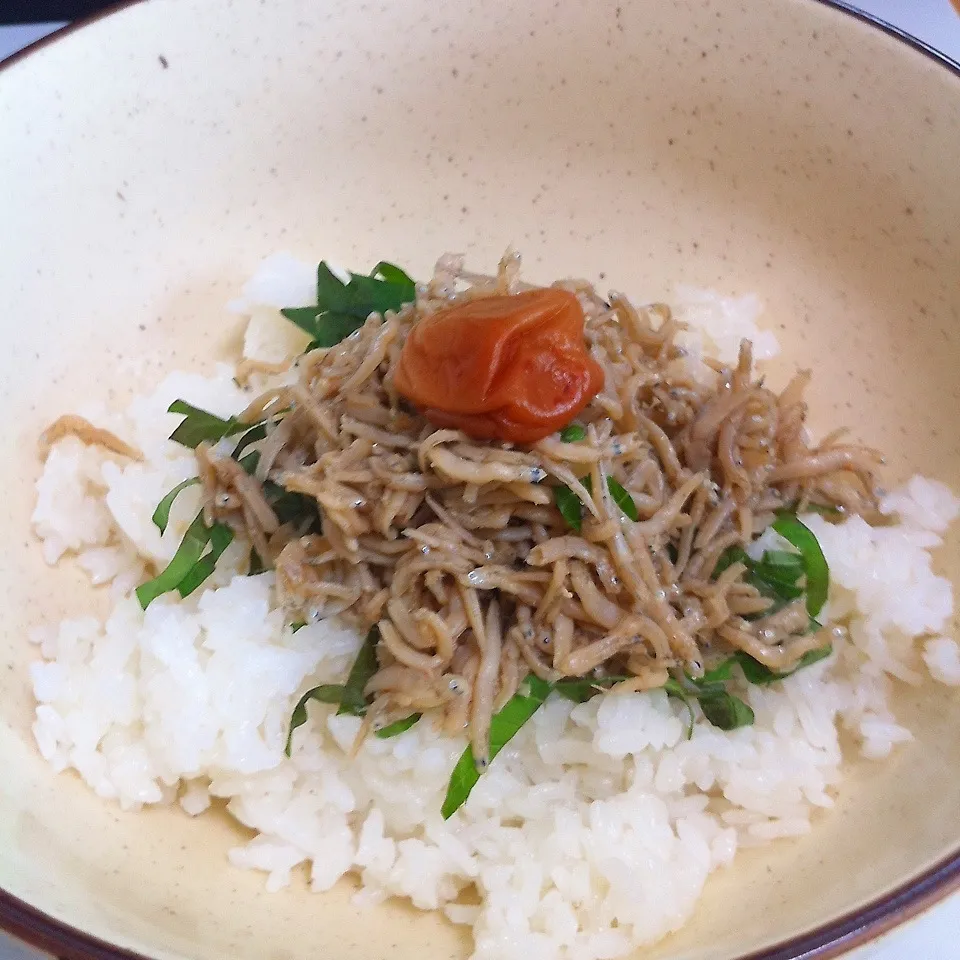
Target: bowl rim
[{"x": 830, "y": 940}]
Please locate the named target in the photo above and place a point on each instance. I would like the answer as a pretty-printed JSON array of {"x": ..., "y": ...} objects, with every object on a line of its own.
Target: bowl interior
[{"x": 151, "y": 159}]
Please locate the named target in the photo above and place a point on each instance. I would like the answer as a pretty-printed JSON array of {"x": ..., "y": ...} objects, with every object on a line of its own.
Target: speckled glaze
[{"x": 148, "y": 162}]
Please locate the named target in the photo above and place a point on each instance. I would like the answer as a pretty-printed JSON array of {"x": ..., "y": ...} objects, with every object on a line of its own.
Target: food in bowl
[{"x": 522, "y": 603}]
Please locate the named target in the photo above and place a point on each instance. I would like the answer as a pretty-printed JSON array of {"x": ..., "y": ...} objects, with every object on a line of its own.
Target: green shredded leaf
[
  {"x": 401, "y": 726},
  {"x": 503, "y": 727},
  {"x": 568, "y": 503},
  {"x": 676, "y": 689},
  {"x": 250, "y": 462},
  {"x": 814, "y": 562},
  {"x": 581, "y": 689},
  {"x": 190, "y": 565},
  {"x": 200, "y": 425},
  {"x": 813, "y": 656},
  {"x": 393, "y": 274},
  {"x": 332, "y": 328},
  {"x": 720, "y": 673},
  {"x": 573, "y": 434},
  {"x": 623, "y": 499},
  {"x": 188, "y": 553},
  {"x": 293, "y": 507},
  {"x": 304, "y": 317},
  {"x": 330, "y": 290},
  {"x": 729, "y": 557},
  {"x": 571, "y": 509},
  {"x": 779, "y": 591},
  {"x": 161, "y": 516},
  {"x": 348, "y": 696},
  {"x": 221, "y": 536},
  {"x": 726, "y": 711},
  {"x": 253, "y": 435},
  {"x": 342, "y": 308},
  {"x": 354, "y": 701},
  {"x": 721, "y": 708},
  {"x": 365, "y": 295},
  {"x": 783, "y": 582},
  {"x": 787, "y": 562},
  {"x": 775, "y": 575},
  {"x": 325, "y": 693},
  {"x": 620, "y": 496},
  {"x": 761, "y": 675},
  {"x": 755, "y": 672}
]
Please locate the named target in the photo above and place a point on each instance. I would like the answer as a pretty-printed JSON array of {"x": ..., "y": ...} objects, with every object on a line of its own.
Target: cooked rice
[{"x": 595, "y": 829}]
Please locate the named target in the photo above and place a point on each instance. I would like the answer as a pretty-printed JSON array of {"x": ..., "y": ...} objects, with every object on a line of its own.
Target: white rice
[
  {"x": 594, "y": 830},
  {"x": 718, "y": 324}
]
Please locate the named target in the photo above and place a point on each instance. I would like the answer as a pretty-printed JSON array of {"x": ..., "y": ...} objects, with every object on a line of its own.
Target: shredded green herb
[
  {"x": 582, "y": 689},
  {"x": 161, "y": 516},
  {"x": 720, "y": 673},
  {"x": 761, "y": 675},
  {"x": 623, "y": 499},
  {"x": 776, "y": 582},
  {"x": 221, "y": 536},
  {"x": 342, "y": 308},
  {"x": 180, "y": 570},
  {"x": 777, "y": 575},
  {"x": 503, "y": 727},
  {"x": 568, "y": 503},
  {"x": 348, "y": 696},
  {"x": 573, "y": 433},
  {"x": 191, "y": 566},
  {"x": 571, "y": 509},
  {"x": 782, "y": 563},
  {"x": 814, "y": 563},
  {"x": 678, "y": 691},
  {"x": 725, "y": 711},
  {"x": 200, "y": 425},
  {"x": 354, "y": 700},
  {"x": 325, "y": 693},
  {"x": 401, "y": 726},
  {"x": 292, "y": 507},
  {"x": 327, "y": 329},
  {"x": 783, "y": 576},
  {"x": 719, "y": 707},
  {"x": 729, "y": 557},
  {"x": 253, "y": 435},
  {"x": 395, "y": 275}
]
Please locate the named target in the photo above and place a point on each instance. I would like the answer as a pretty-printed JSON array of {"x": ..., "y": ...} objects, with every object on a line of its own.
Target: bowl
[{"x": 152, "y": 157}]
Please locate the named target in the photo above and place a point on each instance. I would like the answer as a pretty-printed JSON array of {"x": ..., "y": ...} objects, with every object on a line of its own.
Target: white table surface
[{"x": 936, "y": 934}]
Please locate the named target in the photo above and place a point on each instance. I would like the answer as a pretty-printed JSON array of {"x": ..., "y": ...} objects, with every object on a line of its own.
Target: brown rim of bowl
[{"x": 822, "y": 943}]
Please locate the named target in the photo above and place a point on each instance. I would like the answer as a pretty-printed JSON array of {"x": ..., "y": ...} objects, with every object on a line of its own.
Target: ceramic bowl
[{"x": 151, "y": 158}]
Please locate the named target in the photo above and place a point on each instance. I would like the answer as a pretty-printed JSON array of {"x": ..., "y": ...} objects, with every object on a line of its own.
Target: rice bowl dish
[{"x": 594, "y": 828}]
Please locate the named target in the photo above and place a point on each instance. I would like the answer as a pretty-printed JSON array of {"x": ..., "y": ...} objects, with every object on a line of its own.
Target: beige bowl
[{"x": 150, "y": 159}]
